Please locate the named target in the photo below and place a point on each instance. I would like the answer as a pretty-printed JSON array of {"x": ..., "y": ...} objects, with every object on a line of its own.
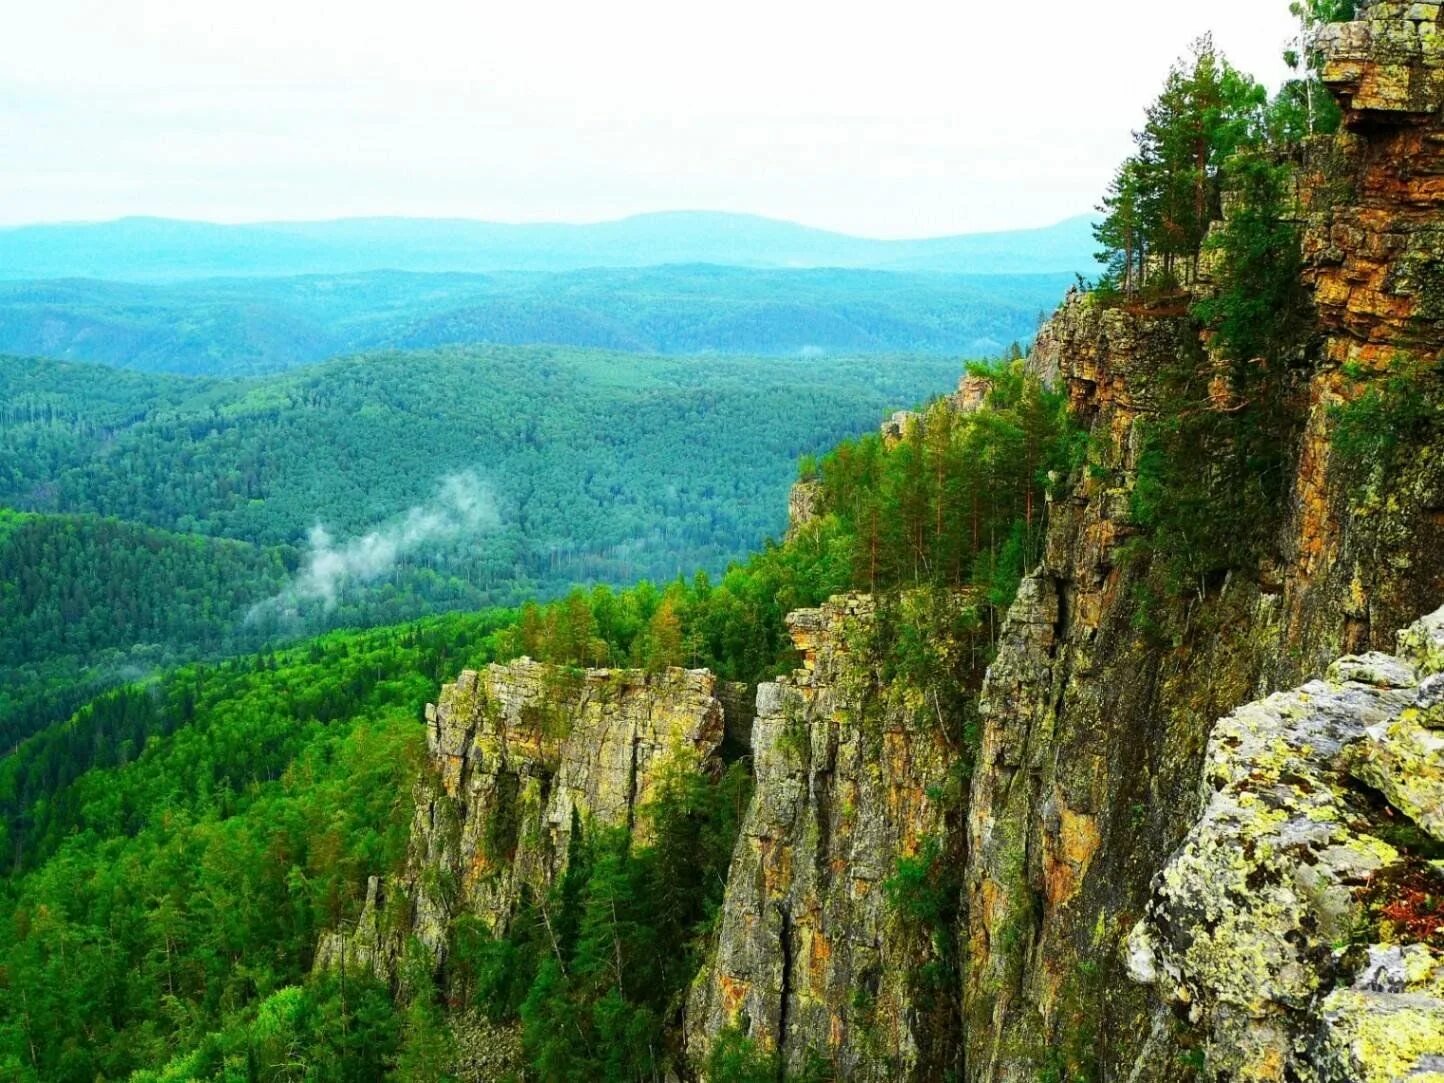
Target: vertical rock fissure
[{"x": 784, "y": 915}]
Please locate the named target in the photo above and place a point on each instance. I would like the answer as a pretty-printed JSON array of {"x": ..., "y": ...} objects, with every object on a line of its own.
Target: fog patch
[{"x": 462, "y": 507}]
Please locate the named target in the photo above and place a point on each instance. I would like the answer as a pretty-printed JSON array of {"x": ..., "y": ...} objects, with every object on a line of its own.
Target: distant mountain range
[{"x": 141, "y": 249}]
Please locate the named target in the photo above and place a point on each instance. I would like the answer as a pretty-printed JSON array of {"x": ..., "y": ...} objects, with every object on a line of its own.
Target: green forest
[
  {"x": 226, "y": 598},
  {"x": 160, "y": 510},
  {"x": 283, "y": 778}
]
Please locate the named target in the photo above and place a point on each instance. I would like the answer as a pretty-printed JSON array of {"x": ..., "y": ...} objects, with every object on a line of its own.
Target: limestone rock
[
  {"x": 896, "y": 427},
  {"x": 810, "y": 958},
  {"x": 1403, "y": 758},
  {"x": 802, "y": 505},
  {"x": 1389, "y": 1025},
  {"x": 1248, "y": 923},
  {"x": 1386, "y": 65},
  {"x": 971, "y": 394},
  {"x": 519, "y": 754}
]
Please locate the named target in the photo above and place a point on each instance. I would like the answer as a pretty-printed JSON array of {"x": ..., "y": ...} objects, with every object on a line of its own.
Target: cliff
[
  {"x": 853, "y": 763},
  {"x": 1291, "y": 929},
  {"x": 1094, "y": 732},
  {"x": 1029, "y": 850},
  {"x": 520, "y": 756}
]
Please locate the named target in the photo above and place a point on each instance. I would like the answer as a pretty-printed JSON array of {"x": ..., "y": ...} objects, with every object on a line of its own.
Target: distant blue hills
[
  {"x": 159, "y": 249},
  {"x": 243, "y": 326}
]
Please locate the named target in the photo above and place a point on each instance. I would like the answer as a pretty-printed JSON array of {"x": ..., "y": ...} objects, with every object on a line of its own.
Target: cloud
[{"x": 462, "y": 507}]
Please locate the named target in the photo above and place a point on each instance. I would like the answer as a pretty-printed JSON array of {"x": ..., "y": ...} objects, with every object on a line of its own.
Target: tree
[
  {"x": 1306, "y": 103},
  {"x": 664, "y": 637},
  {"x": 1159, "y": 206}
]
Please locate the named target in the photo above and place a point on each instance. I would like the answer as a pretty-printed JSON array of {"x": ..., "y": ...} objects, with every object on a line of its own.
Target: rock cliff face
[
  {"x": 1089, "y": 732},
  {"x": 812, "y": 959},
  {"x": 520, "y": 755},
  {"x": 1264, "y": 929},
  {"x": 1091, "y": 735}
]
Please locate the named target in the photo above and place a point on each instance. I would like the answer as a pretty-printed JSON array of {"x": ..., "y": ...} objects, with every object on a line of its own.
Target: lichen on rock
[{"x": 1255, "y": 927}]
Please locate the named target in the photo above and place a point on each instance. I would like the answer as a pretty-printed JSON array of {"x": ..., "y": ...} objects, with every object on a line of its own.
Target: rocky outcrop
[
  {"x": 1263, "y": 929},
  {"x": 1386, "y": 67},
  {"x": 852, "y": 767},
  {"x": 970, "y": 397},
  {"x": 802, "y": 505},
  {"x": 1372, "y": 201},
  {"x": 1376, "y": 244},
  {"x": 521, "y": 756},
  {"x": 896, "y": 427},
  {"x": 972, "y": 393}
]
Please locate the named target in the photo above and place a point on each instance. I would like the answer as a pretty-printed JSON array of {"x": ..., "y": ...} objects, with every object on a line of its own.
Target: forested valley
[{"x": 282, "y": 777}]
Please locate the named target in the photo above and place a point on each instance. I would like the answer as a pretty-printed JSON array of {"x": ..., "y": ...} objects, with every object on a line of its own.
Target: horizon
[{"x": 680, "y": 212}]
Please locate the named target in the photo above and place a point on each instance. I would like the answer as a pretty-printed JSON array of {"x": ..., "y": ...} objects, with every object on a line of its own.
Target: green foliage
[
  {"x": 733, "y": 626},
  {"x": 1393, "y": 413},
  {"x": 178, "y": 846},
  {"x": 1210, "y": 482},
  {"x": 608, "y": 956},
  {"x": 1162, "y": 199},
  {"x": 1259, "y": 308},
  {"x": 1213, "y": 468},
  {"x": 925, "y": 891},
  {"x": 696, "y": 473},
  {"x": 925, "y": 896},
  {"x": 1212, "y": 471},
  {"x": 220, "y": 481},
  {"x": 84, "y": 600},
  {"x": 960, "y": 499},
  {"x": 322, "y": 1031},
  {"x": 284, "y": 779},
  {"x": 1304, "y": 107},
  {"x": 736, "y": 1058},
  {"x": 426, "y": 1048}
]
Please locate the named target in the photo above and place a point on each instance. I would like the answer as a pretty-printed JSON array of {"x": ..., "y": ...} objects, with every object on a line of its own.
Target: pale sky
[{"x": 905, "y": 118}]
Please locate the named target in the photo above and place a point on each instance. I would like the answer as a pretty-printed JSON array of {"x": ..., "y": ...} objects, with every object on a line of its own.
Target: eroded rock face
[
  {"x": 802, "y": 505},
  {"x": 1252, "y": 925},
  {"x": 1088, "y": 733},
  {"x": 971, "y": 394},
  {"x": 896, "y": 428},
  {"x": 1386, "y": 66},
  {"x": 851, "y": 776},
  {"x": 521, "y": 754}
]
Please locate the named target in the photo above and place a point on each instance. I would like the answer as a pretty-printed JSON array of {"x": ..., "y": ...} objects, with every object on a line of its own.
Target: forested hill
[
  {"x": 140, "y": 248},
  {"x": 451, "y": 478},
  {"x": 255, "y": 325},
  {"x": 637, "y": 465}
]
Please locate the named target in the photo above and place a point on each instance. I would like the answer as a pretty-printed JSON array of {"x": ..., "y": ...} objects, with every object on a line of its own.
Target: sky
[{"x": 898, "y": 119}]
